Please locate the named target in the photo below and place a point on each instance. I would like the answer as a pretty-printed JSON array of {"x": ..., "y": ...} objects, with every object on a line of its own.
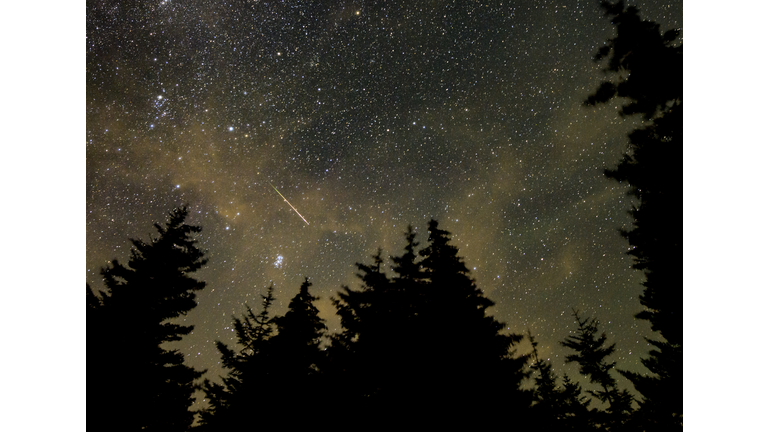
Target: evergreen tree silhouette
[
  {"x": 643, "y": 65},
  {"x": 230, "y": 404},
  {"x": 277, "y": 375},
  {"x": 591, "y": 353},
  {"x": 646, "y": 69},
  {"x": 555, "y": 407},
  {"x": 298, "y": 362},
  {"x": 662, "y": 405},
  {"x": 457, "y": 317},
  {"x": 574, "y": 409},
  {"x": 363, "y": 359},
  {"x": 135, "y": 383},
  {"x": 420, "y": 346}
]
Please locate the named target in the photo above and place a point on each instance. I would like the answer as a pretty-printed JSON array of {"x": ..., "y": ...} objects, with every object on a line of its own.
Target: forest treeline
[{"x": 417, "y": 347}]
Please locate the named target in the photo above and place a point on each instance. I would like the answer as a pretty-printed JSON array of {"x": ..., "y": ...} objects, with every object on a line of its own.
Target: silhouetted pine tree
[
  {"x": 591, "y": 354},
  {"x": 643, "y": 65},
  {"x": 230, "y": 404},
  {"x": 481, "y": 360},
  {"x": 557, "y": 408},
  {"x": 363, "y": 358},
  {"x": 575, "y": 407},
  {"x": 646, "y": 69},
  {"x": 133, "y": 382},
  {"x": 420, "y": 345},
  {"x": 274, "y": 375},
  {"x": 662, "y": 406},
  {"x": 296, "y": 363}
]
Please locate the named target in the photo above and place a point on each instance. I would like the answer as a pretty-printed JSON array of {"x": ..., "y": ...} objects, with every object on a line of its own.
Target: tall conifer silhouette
[
  {"x": 276, "y": 375},
  {"x": 363, "y": 357},
  {"x": 230, "y": 404},
  {"x": 297, "y": 362},
  {"x": 481, "y": 360},
  {"x": 134, "y": 382},
  {"x": 419, "y": 344},
  {"x": 644, "y": 66}
]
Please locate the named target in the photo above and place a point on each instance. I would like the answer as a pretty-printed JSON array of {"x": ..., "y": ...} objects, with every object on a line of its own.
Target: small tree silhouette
[
  {"x": 591, "y": 353},
  {"x": 555, "y": 407}
]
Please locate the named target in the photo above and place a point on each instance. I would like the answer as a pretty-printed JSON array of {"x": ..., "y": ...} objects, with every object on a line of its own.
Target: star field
[{"x": 367, "y": 116}]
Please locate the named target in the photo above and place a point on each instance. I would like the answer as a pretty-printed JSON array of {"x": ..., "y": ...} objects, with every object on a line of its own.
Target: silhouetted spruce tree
[
  {"x": 297, "y": 362},
  {"x": 274, "y": 375},
  {"x": 646, "y": 69},
  {"x": 591, "y": 353},
  {"x": 575, "y": 407},
  {"x": 643, "y": 65},
  {"x": 133, "y": 382},
  {"x": 457, "y": 317},
  {"x": 557, "y": 408},
  {"x": 230, "y": 404},
  {"x": 362, "y": 356},
  {"x": 420, "y": 345}
]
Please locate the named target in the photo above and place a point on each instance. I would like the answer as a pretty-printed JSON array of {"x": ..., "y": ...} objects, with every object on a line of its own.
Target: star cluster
[{"x": 367, "y": 116}]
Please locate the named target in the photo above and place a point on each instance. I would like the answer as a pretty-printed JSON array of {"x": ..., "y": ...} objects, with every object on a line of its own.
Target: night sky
[{"x": 367, "y": 116}]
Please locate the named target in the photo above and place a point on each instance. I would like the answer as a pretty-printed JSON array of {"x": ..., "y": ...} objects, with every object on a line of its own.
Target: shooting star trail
[{"x": 294, "y": 208}]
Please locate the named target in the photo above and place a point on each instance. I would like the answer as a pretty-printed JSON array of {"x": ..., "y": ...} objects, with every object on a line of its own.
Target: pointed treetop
[{"x": 406, "y": 266}]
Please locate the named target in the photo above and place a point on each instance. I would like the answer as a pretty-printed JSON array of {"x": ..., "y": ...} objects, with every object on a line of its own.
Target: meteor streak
[{"x": 294, "y": 208}]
